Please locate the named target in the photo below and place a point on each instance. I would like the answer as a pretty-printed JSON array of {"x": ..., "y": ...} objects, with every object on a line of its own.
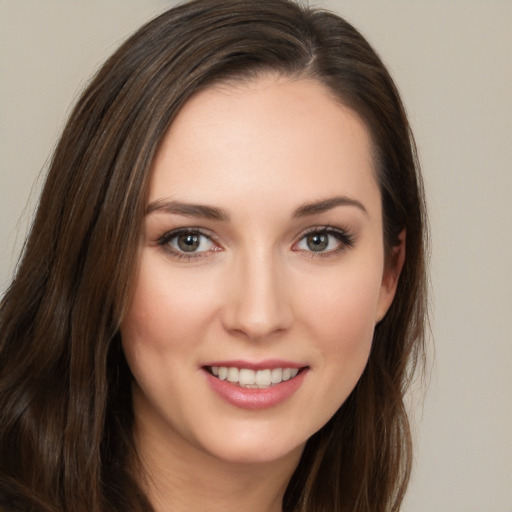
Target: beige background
[{"x": 452, "y": 60}]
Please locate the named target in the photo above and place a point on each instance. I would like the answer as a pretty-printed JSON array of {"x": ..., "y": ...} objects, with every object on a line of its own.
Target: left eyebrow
[{"x": 327, "y": 204}]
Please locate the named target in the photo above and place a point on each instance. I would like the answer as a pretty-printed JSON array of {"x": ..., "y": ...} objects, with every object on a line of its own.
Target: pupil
[
  {"x": 188, "y": 243},
  {"x": 318, "y": 242}
]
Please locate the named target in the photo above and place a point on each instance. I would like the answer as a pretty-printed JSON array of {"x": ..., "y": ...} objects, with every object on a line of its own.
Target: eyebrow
[
  {"x": 215, "y": 213},
  {"x": 188, "y": 210},
  {"x": 324, "y": 205}
]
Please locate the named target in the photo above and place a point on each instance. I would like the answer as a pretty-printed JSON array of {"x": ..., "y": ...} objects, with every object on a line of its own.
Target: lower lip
[{"x": 255, "y": 398}]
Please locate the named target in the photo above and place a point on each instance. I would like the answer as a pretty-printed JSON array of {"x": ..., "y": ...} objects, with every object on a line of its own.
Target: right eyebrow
[{"x": 188, "y": 210}]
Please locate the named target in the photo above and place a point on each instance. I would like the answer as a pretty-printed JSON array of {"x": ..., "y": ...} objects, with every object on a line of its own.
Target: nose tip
[
  {"x": 256, "y": 324},
  {"x": 258, "y": 304}
]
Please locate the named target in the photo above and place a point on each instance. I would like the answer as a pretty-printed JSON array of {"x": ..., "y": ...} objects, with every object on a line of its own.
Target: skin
[{"x": 254, "y": 289}]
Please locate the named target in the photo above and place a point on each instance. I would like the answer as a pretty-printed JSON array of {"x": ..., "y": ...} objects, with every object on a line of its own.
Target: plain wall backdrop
[{"x": 452, "y": 61}]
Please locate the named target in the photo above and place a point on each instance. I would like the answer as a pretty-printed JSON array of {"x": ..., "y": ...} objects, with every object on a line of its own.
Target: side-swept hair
[{"x": 66, "y": 414}]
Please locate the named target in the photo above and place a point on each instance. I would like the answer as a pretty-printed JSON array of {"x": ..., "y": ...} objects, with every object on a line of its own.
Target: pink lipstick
[{"x": 250, "y": 385}]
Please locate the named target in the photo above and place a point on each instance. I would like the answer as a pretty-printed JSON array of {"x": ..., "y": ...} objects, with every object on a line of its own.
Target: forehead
[{"x": 270, "y": 134}]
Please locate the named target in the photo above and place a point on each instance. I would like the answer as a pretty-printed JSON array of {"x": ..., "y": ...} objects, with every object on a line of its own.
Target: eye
[
  {"x": 324, "y": 241},
  {"x": 191, "y": 242},
  {"x": 188, "y": 243}
]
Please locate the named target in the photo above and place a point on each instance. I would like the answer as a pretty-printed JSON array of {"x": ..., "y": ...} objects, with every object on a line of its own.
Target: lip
[
  {"x": 257, "y": 365},
  {"x": 253, "y": 398}
]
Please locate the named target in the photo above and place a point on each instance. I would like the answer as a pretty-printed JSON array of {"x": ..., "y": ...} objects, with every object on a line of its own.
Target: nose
[{"x": 258, "y": 304}]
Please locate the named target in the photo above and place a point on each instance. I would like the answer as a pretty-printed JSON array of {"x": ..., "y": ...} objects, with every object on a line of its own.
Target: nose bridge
[{"x": 259, "y": 304}]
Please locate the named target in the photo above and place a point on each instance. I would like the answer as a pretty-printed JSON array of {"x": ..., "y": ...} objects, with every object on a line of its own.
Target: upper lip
[{"x": 256, "y": 365}]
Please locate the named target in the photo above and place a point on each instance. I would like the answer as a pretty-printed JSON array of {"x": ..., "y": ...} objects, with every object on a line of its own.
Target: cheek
[
  {"x": 163, "y": 329},
  {"x": 342, "y": 320},
  {"x": 167, "y": 310},
  {"x": 347, "y": 305}
]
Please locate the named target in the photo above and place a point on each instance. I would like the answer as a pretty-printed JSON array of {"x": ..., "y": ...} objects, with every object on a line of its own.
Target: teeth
[
  {"x": 233, "y": 374},
  {"x": 263, "y": 378},
  {"x": 246, "y": 377},
  {"x": 254, "y": 379},
  {"x": 277, "y": 375}
]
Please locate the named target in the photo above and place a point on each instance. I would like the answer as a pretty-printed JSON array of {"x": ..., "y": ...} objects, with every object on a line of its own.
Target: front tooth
[
  {"x": 277, "y": 375},
  {"x": 287, "y": 373},
  {"x": 223, "y": 373},
  {"x": 263, "y": 378},
  {"x": 233, "y": 374},
  {"x": 246, "y": 377}
]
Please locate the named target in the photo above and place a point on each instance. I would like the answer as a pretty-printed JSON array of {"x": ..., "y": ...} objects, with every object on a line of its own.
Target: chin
[{"x": 254, "y": 447}]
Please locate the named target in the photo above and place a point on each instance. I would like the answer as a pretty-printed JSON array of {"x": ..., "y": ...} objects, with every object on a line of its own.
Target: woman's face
[{"x": 262, "y": 272}]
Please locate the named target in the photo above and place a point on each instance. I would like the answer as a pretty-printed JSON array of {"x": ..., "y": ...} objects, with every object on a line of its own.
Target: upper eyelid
[
  {"x": 208, "y": 232},
  {"x": 345, "y": 236},
  {"x": 173, "y": 233},
  {"x": 189, "y": 229},
  {"x": 324, "y": 229}
]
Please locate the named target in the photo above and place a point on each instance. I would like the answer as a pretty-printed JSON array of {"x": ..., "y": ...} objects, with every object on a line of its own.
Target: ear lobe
[{"x": 392, "y": 271}]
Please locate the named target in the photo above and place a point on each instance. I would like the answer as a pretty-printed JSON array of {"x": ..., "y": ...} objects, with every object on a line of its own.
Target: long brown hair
[{"x": 66, "y": 418}]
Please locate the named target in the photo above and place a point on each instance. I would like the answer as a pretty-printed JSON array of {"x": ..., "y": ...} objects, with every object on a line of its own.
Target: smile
[
  {"x": 256, "y": 379},
  {"x": 266, "y": 384}
]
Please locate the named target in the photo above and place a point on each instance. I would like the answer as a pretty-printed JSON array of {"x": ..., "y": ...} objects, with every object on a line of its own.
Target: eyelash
[
  {"x": 345, "y": 239},
  {"x": 165, "y": 240}
]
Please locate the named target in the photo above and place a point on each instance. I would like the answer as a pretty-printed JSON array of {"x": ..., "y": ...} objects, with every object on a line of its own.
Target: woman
[{"x": 222, "y": 298}]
